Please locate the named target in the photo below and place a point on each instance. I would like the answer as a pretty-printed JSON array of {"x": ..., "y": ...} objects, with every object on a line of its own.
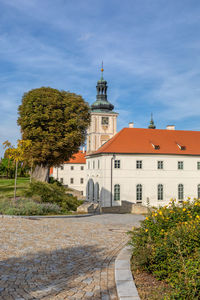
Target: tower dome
[{"x": 101, "y": 104}]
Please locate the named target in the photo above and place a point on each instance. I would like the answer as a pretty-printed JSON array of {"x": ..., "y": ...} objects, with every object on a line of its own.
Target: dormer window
[
  {"x": 181, "y": 147},
  {"x": 156, "y": 147}
]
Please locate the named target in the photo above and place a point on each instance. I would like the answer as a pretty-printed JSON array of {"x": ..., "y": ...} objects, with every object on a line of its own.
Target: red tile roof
[
  {"x": 153, "y": 141},
  {"x": 78, "y": 158}
]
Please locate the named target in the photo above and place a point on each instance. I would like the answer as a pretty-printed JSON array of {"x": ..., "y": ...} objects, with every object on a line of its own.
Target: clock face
[{"x": 105, "y": 120}]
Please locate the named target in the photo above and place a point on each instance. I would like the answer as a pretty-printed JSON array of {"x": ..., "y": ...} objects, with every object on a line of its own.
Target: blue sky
[{"x": 150, "y": 49}]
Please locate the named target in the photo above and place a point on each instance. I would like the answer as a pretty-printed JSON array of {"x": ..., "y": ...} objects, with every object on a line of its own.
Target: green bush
[
  {"x": 53, "y": 180},
  {"x": 70, "y": 203},
  {"x": 52, "y": 193},
  {"x": 27, "y": 207},
  {"x": 46, "y": 192},
  {"x": 168, "y": 245}
]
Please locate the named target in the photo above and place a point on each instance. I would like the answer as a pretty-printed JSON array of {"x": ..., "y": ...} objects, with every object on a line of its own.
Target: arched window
[
  {"x": 93, "y": 190},
  {"x": 96, "y": 187},
  {"x": 180, "y": 192},
  {"x": 139, "y": 193},
  {"x": 116, "y": 192},
  {"x": 198, "y": 191},
  {"x": 88, "y": 191},
  {"x": 160, "y": 192}
]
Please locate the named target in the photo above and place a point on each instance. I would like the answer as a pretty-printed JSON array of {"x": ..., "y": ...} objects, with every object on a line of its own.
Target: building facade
[
  {"x": 72, "y": 173},
  {"x": 146, "y": 166}
]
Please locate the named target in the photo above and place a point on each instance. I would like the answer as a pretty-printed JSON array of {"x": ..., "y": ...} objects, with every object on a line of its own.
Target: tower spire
[
  {"x": 101, "y": 104},
  {"x": 102, "y": 69},
  {"x": 151, "y": 125}
]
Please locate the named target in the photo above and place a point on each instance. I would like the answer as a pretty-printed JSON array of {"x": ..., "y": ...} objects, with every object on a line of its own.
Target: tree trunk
[
  {"x": 15, "y": 180},
  {"x": 41, "y": 173},
  {"x": 31, "y": 172}
]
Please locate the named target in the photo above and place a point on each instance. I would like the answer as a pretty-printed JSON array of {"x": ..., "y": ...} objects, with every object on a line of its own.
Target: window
[
  {"x": 160, "y": 164},
  {"x": 81, "y": 180},
  {"x": 71, "y": 180},
  {"x": 139, "y": 193},
  {"x": 116, "y": 192},
  {"x": 98, "y": 164},
  {"x": 72, "y": 167},
  {"x": 61, "y": 180},
  {"x": 156, "y": 147},
  {"x": 82, "y": 168},
  {"x": 198, "y": 191},
  {"x": 181, "y": 147},
  {"x": 180, "y": 165},
  {"x": 198, "y": 165},
  {"x": 93, "y": 164},
  {"x": 88, "y": 165},
  {"x": 117, "y": 164},
  {"x": 96, "y": 187},
  {"x": 105, "y": 120},
  {"x": 160, "y": 192},
  {"x": 180, "y": 192},
  {"x": 82, "y": 193},
  {"x": 138, "y": 164},
  {"x": 62, "y": 167}
]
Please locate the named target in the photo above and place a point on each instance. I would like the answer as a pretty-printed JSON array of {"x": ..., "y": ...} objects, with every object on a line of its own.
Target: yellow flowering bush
[{"x": 168, "y": 245}]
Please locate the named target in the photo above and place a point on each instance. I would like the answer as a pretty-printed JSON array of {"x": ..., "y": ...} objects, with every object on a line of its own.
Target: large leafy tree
[{"x": 56, "y": 122}]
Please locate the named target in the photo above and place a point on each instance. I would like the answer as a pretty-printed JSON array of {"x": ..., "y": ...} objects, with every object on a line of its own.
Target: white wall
[
  {"x": 149, "y": 176},
  {"x": 76, "y": 174}
]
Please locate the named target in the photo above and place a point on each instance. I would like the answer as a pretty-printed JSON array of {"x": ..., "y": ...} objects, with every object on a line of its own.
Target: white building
[
  {"x": 73, "y": 172},
  {"x": 147, "y": 166}
]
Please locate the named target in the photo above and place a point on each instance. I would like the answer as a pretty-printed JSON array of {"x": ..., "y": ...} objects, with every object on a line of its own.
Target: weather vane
[{"x": 102, "y": 69}]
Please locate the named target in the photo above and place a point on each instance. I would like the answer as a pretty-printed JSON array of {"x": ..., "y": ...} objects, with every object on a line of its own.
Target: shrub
[
  {"x": 27, "y": 207},
  {"x": 45, "y": 192},
  {"x": 53, "y": 180},
  {"x": 70, "y": 203},
  {"x": 167, "y": 244}
]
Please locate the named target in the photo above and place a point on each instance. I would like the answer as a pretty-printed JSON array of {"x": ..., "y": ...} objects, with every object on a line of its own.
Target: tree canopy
[{"x": 55, "y": 122}]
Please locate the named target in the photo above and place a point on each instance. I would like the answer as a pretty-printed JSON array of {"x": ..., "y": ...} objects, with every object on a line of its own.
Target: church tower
[{"x": 103, "y": 124}]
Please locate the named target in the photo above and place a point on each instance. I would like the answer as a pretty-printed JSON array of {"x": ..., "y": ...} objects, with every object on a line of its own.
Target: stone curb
[
  {"x": 126, "y": 289},
  {"x": 47, "y": 216}
]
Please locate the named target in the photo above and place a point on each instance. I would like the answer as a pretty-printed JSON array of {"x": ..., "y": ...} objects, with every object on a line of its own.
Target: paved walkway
[{"x": 61, "y": 258}]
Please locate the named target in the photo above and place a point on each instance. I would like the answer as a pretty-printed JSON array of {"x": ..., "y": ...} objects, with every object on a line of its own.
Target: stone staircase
[{"x": 89, "y": 207}]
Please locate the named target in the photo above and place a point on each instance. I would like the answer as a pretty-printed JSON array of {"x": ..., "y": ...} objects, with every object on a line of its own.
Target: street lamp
[{"x": 111, "y": 178}]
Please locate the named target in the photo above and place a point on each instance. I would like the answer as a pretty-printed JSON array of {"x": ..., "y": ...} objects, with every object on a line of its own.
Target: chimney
[
  {"x": 83, "y": 149},
  {"x": 130, "y": 125},
  {"x": 170, "y": 127}
]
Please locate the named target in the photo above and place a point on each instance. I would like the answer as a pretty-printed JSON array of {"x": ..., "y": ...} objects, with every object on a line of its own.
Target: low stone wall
[
  {"x": 76, "y": 193},
  {"x": 126, "y": 207}
]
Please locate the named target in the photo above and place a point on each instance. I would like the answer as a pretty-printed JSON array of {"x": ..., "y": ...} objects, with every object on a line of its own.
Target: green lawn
[{"x": 7, "y": 187}]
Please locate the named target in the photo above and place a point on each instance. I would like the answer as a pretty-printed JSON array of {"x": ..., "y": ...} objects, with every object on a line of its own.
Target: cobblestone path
[{"x": 61, "y": 258}]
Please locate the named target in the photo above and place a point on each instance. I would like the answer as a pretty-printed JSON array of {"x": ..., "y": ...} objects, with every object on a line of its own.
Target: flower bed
[{"x": 168, "y": 245}]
